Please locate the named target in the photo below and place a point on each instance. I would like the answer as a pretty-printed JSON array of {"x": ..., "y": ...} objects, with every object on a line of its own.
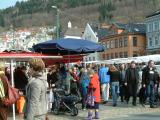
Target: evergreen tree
[{"x": 105, "y": 10}]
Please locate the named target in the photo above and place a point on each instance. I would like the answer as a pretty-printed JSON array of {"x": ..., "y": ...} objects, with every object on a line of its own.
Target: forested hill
[{"x": 30, "y": 13}]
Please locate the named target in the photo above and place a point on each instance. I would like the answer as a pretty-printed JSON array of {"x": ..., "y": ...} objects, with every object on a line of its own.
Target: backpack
[{"x": 13, "y": 95}]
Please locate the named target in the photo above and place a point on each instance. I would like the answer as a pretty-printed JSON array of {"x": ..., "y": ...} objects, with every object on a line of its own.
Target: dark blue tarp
[{"x": 65, "y": 46}]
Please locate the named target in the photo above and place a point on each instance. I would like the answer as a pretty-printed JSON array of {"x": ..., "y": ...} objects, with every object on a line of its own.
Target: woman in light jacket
[{"x": 36, "y": 98}]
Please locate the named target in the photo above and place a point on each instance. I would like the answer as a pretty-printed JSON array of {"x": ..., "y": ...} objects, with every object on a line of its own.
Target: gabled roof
[
  {"x": 74, "y": 32},
  {"x": 153, "y": 14}
]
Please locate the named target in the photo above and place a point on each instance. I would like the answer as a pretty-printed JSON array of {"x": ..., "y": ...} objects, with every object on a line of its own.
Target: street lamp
[{"x": 57, "y": 21}]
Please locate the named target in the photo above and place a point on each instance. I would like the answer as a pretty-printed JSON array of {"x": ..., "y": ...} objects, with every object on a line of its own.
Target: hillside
[{"x": 40, "y": 13}]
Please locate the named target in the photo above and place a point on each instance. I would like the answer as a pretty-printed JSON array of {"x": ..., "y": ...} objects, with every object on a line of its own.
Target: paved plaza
[{"x": 107, "y": 112}]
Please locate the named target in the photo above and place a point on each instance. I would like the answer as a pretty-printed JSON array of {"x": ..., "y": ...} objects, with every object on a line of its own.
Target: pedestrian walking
[
  {"x": 150, "y": 79},
  {"x": 131, "y": 81},
  {"x": 104, "y": 82},
  {"x": 115, "y": 77}
]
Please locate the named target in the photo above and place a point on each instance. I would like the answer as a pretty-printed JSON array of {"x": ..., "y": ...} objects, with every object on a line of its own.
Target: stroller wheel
[
  {"x": 56, "y": 111},
  {"x": 55, "y": 108},
  {"x": 74, "y": 111}
]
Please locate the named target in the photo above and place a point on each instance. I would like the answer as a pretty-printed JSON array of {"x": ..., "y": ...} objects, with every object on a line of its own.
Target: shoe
[
  {"x": 83, "y": 109},
  {"x": 96, "y": 115},
  {"x": 134, "y": 104},
  {"x": 152, "y": 106},
  {"x": 89, "y": 117},
  {"x": 114, "y": 105},
  {"x": 105, "y": 102}
]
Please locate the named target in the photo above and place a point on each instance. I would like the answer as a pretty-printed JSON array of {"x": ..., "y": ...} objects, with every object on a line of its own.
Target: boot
[
  {"x": 89, "y": 116},
  {"x": 96, "y": 115}
]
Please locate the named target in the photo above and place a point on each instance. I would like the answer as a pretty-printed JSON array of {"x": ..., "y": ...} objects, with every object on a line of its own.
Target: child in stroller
[{"x": 64, "y": 103}]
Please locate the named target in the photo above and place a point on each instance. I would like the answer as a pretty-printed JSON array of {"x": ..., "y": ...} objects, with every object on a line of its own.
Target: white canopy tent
[{"x": 138, "y": 59}]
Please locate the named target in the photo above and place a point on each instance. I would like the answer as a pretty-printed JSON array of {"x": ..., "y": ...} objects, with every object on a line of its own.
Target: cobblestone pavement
[{"x": 107, "y": 112}]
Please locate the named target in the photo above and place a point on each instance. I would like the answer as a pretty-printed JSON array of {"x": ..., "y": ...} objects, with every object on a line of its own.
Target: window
[
  {"x": 112, "y": 55},
  {"x": 120, "y": 42},
  {"x": 112, "y": 43},
  {"x": 125, "y": 54},
  {"x": 103, "y": 56},
  {"x": 125, "y": 42},
  {"x": 108, "y": 44},
  {"x": 121, "y": 54},
  {"x": 86, "y": 59},
  {"x": 108, "y": 57},
  {"x": 94, "y": 58},
  {"x": 116, "y": 43},
  {"x": 135, "y": 54},
  {"x": 156, "y": 40},
  {"x": 150, "y": 27},
  {"x": 150, "y": 42},
  {"x": 156, "y": 25},
  {"x": 89, "y": 58},
  {"x": 116, "y": 55},
  {"x": 135, "y": 41}
]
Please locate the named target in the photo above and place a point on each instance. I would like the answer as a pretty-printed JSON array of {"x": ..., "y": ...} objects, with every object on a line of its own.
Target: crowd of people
[{"x": 102, "y": 81}]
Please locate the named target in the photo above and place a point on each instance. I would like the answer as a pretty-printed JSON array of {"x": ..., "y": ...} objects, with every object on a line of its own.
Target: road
[{"x": 107, "y": 112}]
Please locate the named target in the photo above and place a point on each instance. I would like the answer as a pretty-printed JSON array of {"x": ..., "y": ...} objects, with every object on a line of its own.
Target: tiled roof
[
  {"x": 132, "y": 27},
  {"x": 154, "y": 14},
  {"x": 101, "y": 32}
]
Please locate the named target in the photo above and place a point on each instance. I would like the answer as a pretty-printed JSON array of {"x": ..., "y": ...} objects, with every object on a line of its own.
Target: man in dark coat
[
  {"x": 150, "y": 80},
  {"x": 131, "y": 81}
]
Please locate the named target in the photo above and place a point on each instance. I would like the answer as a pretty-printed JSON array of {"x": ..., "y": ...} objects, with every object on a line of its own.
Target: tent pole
[{"x": 12, "y": 82}]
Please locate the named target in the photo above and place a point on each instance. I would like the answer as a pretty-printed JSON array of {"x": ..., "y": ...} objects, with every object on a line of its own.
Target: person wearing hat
[
  {"x": 131, "y": 81},
  {"x": 3, "y": 92}
]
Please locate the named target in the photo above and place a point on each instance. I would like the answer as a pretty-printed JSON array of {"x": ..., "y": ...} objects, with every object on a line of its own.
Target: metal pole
[
  {"x": 12, "y": 81},
  {"x": 58, "y": 25}
]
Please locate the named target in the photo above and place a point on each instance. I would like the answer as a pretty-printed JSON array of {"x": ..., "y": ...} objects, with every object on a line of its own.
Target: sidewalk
[{"x": 107, "y": 112}]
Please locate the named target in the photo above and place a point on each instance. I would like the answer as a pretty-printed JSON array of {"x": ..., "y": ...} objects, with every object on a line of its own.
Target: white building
[
  {"x": 89, "y": 34},
  {"x": 153, "y": 33}
]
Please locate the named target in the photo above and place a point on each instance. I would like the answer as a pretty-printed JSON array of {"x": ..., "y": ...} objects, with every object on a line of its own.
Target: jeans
[
  {"x": 105, "y": 91},
  {"x": 151, "y": 92},
  {"x": 115, "y": 92}
]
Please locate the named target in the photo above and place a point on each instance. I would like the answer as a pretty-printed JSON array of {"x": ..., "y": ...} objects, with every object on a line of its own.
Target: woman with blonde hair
[
  {"x": 114, "y": 78},
  {"x": 36, "y": 98},
  {"x": 3, "y": 91}
]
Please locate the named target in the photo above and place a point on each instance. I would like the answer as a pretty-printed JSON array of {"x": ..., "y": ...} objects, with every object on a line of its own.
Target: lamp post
[{"x": 57, "y": 21}]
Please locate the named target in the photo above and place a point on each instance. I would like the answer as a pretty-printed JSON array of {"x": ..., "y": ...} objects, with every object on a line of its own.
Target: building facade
[
  {"x": 152, "y": 22},
  {"x": 124, "y": 40}
]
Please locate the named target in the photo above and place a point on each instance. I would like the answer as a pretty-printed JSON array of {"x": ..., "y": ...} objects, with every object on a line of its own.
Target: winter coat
[
  {"x": 95, "y": 86},
  {"x": 36, "y": 98},
  {"x": 84, "y": 81},
  {"x": 4, "y": 109},
  {"x": 103, "y": 76},
  {"x": 145, "y": 76}
]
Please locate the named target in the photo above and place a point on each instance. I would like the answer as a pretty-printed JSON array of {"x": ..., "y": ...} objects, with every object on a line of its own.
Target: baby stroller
[{"x": 64, "y": 103}]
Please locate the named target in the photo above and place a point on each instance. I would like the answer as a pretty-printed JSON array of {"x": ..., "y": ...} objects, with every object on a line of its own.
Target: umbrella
[{"x": 68, "y": 46}]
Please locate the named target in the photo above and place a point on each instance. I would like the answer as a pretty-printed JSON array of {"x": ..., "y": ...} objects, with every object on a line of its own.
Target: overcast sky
[{"x": 7, "y": 3}]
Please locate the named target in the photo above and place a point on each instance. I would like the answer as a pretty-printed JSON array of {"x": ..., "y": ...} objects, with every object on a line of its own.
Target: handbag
[
  {"x": 90, "y": 99},
  {"x": 13, "y": 95}
]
